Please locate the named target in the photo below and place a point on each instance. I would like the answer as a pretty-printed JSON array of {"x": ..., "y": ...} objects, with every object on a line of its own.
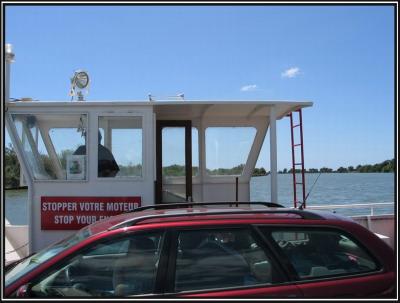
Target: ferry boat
[{"x": 84, "y": 161}]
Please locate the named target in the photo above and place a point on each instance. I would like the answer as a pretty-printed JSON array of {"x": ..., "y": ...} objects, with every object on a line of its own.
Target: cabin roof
[{"x": 186, "y": 109}]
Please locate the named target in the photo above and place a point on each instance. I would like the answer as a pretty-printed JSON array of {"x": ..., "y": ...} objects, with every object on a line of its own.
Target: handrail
[{"x": 356, "y": 205}]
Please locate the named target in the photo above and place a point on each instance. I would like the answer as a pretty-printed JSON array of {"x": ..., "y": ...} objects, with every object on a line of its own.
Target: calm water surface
[
  {"x": 330, "y": 189},
  {"x": 16, "y": 206}
]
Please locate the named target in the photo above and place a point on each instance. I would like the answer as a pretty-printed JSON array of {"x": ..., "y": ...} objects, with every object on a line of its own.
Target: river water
[{"x": 331, "y": 188}]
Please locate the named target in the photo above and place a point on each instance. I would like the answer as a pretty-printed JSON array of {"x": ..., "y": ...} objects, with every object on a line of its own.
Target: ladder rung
[
  {"x": 298, "y": 163},
  {"x": 297, "y": 144},
  {"x": 295, "y": 125},
  {"x": 299, "y": 182}
]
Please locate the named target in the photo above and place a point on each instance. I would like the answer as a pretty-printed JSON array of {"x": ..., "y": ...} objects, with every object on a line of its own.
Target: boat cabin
[{"x": 84, "y": 161}]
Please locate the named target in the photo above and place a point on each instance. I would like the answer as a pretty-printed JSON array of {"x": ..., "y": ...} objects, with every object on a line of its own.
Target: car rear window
[{"x": 316, "y": 253}]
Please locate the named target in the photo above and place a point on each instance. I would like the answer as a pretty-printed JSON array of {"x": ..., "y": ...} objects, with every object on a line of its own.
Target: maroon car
[{"x": 211, "y": 250}]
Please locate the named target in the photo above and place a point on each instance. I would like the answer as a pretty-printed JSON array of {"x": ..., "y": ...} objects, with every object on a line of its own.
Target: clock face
[{"x": 81, "y": 79}]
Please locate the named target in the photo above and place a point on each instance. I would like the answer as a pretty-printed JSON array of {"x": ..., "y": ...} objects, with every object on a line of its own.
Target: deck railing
[{"x": 371, "y": 206}]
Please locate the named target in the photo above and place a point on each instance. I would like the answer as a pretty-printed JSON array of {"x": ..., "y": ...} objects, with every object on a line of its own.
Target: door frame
[{"x": 160, "y": 124}]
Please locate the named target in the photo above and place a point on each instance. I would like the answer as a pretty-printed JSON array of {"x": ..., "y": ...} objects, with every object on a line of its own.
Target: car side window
[
  {"x": 321, "y": 253},
  {"x": 116, "y": 268},
  {"x": 211, "y": 258}
]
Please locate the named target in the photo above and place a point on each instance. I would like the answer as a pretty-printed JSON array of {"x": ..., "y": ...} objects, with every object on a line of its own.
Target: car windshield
[{"x": 45, "y": 254}]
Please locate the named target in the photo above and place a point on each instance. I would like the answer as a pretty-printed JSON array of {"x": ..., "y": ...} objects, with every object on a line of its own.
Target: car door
[
  {"x": 227, "y": 261},
  {"x": 121, "y": 266},
  {"x": 328, "y": 262}
]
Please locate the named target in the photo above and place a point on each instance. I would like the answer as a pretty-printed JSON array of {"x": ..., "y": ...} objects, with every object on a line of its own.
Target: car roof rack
[
  {"x": 302, "y": 213},
  {"x": 192, "y": 204}
]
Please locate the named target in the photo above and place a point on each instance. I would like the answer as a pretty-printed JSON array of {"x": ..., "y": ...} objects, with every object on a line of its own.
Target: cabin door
[{"x": 173, "y": 161}]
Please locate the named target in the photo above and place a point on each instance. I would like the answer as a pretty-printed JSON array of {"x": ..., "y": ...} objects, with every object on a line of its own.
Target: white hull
[
  {"x": 383, "y": 225},
  {"x": 16, "y": 241}
]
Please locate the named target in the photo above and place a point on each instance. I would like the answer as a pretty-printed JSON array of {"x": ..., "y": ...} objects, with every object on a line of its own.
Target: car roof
[{"x": 202, "y": 211}]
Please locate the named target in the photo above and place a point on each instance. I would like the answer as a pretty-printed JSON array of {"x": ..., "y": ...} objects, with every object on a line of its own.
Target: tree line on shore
[
  {"x": 387, "y": 166},
  {"x": 12, "y": 169}
]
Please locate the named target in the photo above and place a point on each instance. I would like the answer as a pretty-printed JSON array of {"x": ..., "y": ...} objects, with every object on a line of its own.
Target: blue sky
[{"x": 339, "y": 57}]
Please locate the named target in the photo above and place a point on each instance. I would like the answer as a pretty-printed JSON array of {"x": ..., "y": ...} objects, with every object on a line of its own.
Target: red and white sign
[{"x": 71, "y": 213}]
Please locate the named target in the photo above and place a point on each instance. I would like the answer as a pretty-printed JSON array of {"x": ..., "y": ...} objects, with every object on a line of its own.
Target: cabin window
[
  {"x": 66, "y": 154},
  {"x": 49, "y": 144},
  {"x": 120, "y": 146},
  {"x": 173, "y": 152},
  {"x": 227, "y": 149}
]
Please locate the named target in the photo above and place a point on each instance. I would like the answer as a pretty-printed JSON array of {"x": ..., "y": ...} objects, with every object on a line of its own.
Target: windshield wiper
[
  {"x": 15, "y": 263},
  {"x": 34, "y": 260}
]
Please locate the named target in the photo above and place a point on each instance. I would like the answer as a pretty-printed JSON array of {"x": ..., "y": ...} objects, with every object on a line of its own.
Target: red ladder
[{"x": 294, "y": 163}]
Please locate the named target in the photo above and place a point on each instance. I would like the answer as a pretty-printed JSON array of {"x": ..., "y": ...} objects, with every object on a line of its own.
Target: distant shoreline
[
  {"x": 12, "y": 170},
  {"x": 261, "y": 175},
  {"x": 332, "y": 172},
  {"x": 16, "y": 188},
  {"x": 387, "y": 166}
]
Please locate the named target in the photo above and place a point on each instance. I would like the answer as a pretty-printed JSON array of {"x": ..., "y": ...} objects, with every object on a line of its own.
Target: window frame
[
  {"x": 96, "y": 154},
  {"x": 303, "y": 228},
  {"x": 170, "y": 287}
]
